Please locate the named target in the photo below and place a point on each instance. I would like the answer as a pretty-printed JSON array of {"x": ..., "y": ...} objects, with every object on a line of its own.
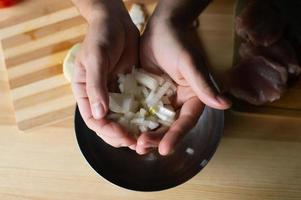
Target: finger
[
  {"x": 129, "y": 57},
  {"x": 110, "y": 132},
  {"x": 133, "y": 147},
  {"x": 146, "y": 58},
  {"x": 79, "y": 73},
  {"x": 150, "y": 140},
  {"x": 189, "y": 115},
  {"x": 115, "y": 135},
  {"x": 183, "y": 94},
  {"x": 79, "y": 91},
  {"x": 202, "y": 85},
  {"x": 96, "y": 83}
]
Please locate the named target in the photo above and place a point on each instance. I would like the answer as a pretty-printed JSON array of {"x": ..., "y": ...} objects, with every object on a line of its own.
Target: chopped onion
[
  {"x": 165, "y": 123},
  {"x": 121, "y": 88},
  {"x": 146, "y": 80},
  {"x": 137, "y": 15},
  {"x": 129, "y": 115},
  {"x": 139, "y": 120},
  {"x": 167, "y": 112},
  {"x": 152, "y": 125},
  {"x": 155, "y": 76},
  {"x": 145, "y": 91},
  {"x": 152, "y": 101},
  {"x": 114, "y": 116},
  {"x": 189, "y": 151},
  {"x": 142, "y": 112},
  {"x": 143, "y": 103},
  {"x": 122, "y": 103},
  {"x": 143, "y": 128}
]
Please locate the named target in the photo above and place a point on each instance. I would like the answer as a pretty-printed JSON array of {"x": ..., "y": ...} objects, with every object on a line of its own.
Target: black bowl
[{"x": 153, "y": 172}]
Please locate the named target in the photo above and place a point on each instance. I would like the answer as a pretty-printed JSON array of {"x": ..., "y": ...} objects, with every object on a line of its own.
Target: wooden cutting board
[
  {"x": 34, "y": 45},
  {"x": 35, "y": 42}
]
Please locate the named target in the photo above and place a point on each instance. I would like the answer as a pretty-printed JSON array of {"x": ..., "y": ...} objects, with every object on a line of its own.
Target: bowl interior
[{"x": 152, "y": 172}]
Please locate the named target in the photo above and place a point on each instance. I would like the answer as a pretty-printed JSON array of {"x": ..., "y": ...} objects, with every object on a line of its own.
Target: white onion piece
[
  {"x": 143, "y": 129},
  {"x": 124, "y": 122},
  {"x": 155, "y": 76},
  {"x": 121, "y": 88},
  {"x": 114, "y": 116},
  {"x": 137, "y": 15},
  {"x": 146, "y": 80},
  {"x": 129, "y": 115},
  {"x": 165, "y": 123},
  {"x": 189, "y": 151},
  {"x": 122, "y": 103},
  {"x": 139, "y": 120},
  {"x": 143, "y": 103},
  {"x": 152, "y": 125},
  {"x": 121, "y": 78},
  {"x": 152, "y": 101},
  {"x": 142, "y": 112},
  {"x": 130, "y": 85},
  {"x": 167, "y": 112},
  {"x": 144, "y": 91},
  {"x": 163, "y": 117}
]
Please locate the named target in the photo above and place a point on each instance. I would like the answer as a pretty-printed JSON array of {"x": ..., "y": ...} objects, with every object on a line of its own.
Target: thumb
[
  {"x": 201, "y": 84},
  {"x": 96, "y": 84}
]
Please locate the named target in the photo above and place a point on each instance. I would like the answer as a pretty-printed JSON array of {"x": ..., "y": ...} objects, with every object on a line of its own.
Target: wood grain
[
  {"x": 34, "y": 47},
  {"x": 258, "y": 158}
]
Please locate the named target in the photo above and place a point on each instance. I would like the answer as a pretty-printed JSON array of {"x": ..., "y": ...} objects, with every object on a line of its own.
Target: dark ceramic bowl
[{"x": 152, "y": 172}]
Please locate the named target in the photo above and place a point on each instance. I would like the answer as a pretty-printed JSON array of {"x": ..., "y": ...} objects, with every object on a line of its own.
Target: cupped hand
[
  {"x": 110, "y": 47},
  {"x": 171, "y": 47},
  {"x": 189, "y": 108}
]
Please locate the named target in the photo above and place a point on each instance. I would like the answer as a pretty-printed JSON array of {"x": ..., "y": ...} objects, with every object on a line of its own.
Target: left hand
[
  {"x": 170, "y": 48},
  {"x": 189, "y": 109}
]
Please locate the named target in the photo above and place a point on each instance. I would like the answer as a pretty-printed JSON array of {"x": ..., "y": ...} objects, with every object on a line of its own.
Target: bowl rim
[{"x": 209, "y": 152}]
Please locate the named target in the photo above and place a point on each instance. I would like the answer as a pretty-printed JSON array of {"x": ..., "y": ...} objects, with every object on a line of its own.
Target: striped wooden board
[{"x": 34, "y": 45}]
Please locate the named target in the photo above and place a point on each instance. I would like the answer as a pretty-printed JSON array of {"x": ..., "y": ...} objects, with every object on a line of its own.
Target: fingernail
[
  {"x": 97, "y": 110},
  {"x": 133, "y": 147},
  {"x": 223, "y": 100}
]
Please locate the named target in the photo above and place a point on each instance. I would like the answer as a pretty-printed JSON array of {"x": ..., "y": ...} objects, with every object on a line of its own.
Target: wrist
[
  {"x": 97, "y": 10},
  {"x": 180, "y": 12}
]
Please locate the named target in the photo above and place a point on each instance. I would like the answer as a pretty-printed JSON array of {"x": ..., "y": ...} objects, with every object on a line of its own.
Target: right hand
[
  {"x": 170, "y": 47},
  {"x": 109, "y": 48}
]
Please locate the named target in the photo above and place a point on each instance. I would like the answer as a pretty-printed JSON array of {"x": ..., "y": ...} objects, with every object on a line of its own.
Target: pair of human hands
[{"x": 113, "y": 45}]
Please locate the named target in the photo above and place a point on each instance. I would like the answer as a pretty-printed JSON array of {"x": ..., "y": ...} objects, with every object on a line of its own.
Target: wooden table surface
[{"x": 259, "y": 158}]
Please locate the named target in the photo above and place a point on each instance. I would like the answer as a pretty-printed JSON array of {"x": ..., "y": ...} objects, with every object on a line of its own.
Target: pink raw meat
[
  {"x": 257, "y": 80},
  {"x": 280, "y": 52},
  {"x": 260, "y": 23}
]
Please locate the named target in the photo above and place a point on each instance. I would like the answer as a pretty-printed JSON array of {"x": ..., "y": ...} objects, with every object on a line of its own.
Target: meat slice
[
  {"x": 280, "y": 52},
  {"x": 257, "y": 80},
  {"x": 260, "y": 22}
]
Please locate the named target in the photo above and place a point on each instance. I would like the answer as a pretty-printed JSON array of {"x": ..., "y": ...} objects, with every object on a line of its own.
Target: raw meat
[
  {"x": 280, "y": 52},
  {"x": 260, "y": 22},
  {"x": 257, "y": 80}
]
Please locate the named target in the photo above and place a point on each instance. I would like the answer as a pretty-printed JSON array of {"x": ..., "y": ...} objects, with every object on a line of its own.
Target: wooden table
[{"x": 258, "y": 158}]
